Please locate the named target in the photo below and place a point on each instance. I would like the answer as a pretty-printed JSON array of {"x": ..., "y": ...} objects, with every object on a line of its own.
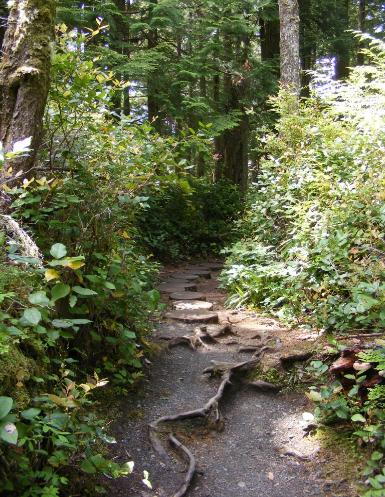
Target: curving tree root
[
  {"x": 193, "y": 341},
  {"x": 191, "y": 469},
  {"x": 228, "y": 372}
]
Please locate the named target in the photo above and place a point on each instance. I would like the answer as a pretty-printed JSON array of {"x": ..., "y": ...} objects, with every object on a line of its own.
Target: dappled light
[{"x": 192, "y": 248}]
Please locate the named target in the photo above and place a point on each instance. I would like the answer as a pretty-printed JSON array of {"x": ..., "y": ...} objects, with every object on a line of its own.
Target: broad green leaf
[
  {"x": 8, "y": 433},
  {"x": 358, "y": 418},
  {"x": 30, "y": 413},
  {"x": 67, "y": 323},
  {"x": 59, "y": 291},
  {"x": 109, "y": 285},
  {"x": 58, "y": 251},
  {"x": 83, "y": 291},
  {"x": 6, "y": 404},
  {"x": 71, "y": 262},
  {"x": 39, "y": 298},
  {"x": 73, "y": 301},
  {"x": 88, "y": 467},
  {"x": 32, "y": 316},
  {"x": 62, "y": 323}
]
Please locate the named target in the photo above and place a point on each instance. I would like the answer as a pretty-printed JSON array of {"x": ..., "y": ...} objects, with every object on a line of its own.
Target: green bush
[
  {"x": 313, "y": 234},
  {"x": 189, "y": 218}
]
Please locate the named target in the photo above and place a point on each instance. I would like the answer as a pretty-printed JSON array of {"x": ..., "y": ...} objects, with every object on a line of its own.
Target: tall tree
[
  {"x": 25, "y": 75},
  {"x": 289, "y": 44}
]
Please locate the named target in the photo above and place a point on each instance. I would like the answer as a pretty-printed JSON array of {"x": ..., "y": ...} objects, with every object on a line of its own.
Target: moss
[
  {"x": 15, "y": 370},
  {"x": 343, "y": 458},
  {"x": 271, "y": 375}
]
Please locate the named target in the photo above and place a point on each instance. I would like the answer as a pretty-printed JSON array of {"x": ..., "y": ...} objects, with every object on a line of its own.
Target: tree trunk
[
  {"x": 269, "y": 37},
  {"x": 25, "y": 75},
  {"x": 3, "y": 20},
  {"x": 342, "y": 45},
  {"x": 152, "y": 90},
  {"x": 361, "y": 27},
  {"x": 307, "y": 44},
  {"x": 289, "y": 44}
]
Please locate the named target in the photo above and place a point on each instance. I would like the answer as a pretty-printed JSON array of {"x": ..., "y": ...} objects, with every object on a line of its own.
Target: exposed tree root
[
  {"x": 193, "y": 341},
  {"x": 191, "y": 469},
  {"x": 228, "y": 372}
]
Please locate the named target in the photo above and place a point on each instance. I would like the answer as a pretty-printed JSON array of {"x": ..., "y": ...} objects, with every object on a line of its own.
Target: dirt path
[{"x": 258, "y": 447}]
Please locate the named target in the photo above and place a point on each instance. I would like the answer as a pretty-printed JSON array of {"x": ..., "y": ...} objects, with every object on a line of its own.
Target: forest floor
[{"x": 255, "y": 441}]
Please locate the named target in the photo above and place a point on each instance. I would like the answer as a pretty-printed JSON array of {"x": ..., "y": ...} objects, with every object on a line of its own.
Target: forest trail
[{"x": 259, "y": 447}]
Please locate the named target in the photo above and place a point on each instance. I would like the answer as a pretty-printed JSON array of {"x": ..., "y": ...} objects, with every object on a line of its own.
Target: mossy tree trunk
[{"x": 25, "y": 75}]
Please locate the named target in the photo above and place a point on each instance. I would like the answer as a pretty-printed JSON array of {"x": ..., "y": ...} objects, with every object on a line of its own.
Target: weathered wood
[
  {"x": 177, "y": 287},
  {"x": 188, "y": 296},
  {"x": 198, "y": 316},
  {"x": 185, "y": 276},
  {"x": 195, "y": 305}
]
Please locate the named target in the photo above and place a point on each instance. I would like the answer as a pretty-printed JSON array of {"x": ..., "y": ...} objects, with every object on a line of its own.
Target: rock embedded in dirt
[
  {"x": 177, "y": 287},
  {"x": 222, "y": 330},
  {"x": 201, "y": 273},
  {"x": 198, "y": 316},
  {"x": 187, "y": 296},
  {"x": 193, "y": 305},
  {"x": 185, "y": 276}
]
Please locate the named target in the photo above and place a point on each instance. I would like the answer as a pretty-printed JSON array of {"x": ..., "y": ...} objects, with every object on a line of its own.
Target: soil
[{"x": 261, "y": 447}]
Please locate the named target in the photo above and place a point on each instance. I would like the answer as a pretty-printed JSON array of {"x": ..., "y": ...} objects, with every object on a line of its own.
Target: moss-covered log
[{"x": 25, "y": 75}]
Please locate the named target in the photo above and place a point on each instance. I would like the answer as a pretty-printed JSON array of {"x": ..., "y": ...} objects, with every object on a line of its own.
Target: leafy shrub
[
  {"x": 189, "y": 218},
  {"x": 313, "y": 233}
]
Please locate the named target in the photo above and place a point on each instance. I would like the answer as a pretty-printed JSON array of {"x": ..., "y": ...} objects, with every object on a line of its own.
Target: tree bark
[
  {"x": 307, "y": 44},
  {"x": 361, "y": 27},
  {"x": 25, "y": 75},
  {"x": 342, "y": 48},
  {"x": 289, "y": 45},
  {"x": 269, "y": 37},
  {"x": 3, "y": 20}
]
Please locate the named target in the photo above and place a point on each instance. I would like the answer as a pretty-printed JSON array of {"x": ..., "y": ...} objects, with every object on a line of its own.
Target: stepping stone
[
  {"x": 177, "y": 287},
  {"x": 209, "y": 266},
  {"x": 193, "y": 305},
  {"x": 194, "y": 316},
  {"x": 187, "y": 296},
  {"x": 202, "y": 273},
  {"x": 185, "y": 276}
]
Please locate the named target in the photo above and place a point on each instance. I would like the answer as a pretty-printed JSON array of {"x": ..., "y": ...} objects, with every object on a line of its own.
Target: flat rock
[
  {"x": 176, "y": 287},
  {"x": 222, "y": 330},
  {"x": 185, "y": 276},
  {"x": 173, "y": 281},
  {"x": 187, "y": 296},
  {"x": 193, "y": 305},
  {"x": 201, "y": 273},
  {"x": 209, "y": 266},
  {"x": 198, "y": 316}
]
